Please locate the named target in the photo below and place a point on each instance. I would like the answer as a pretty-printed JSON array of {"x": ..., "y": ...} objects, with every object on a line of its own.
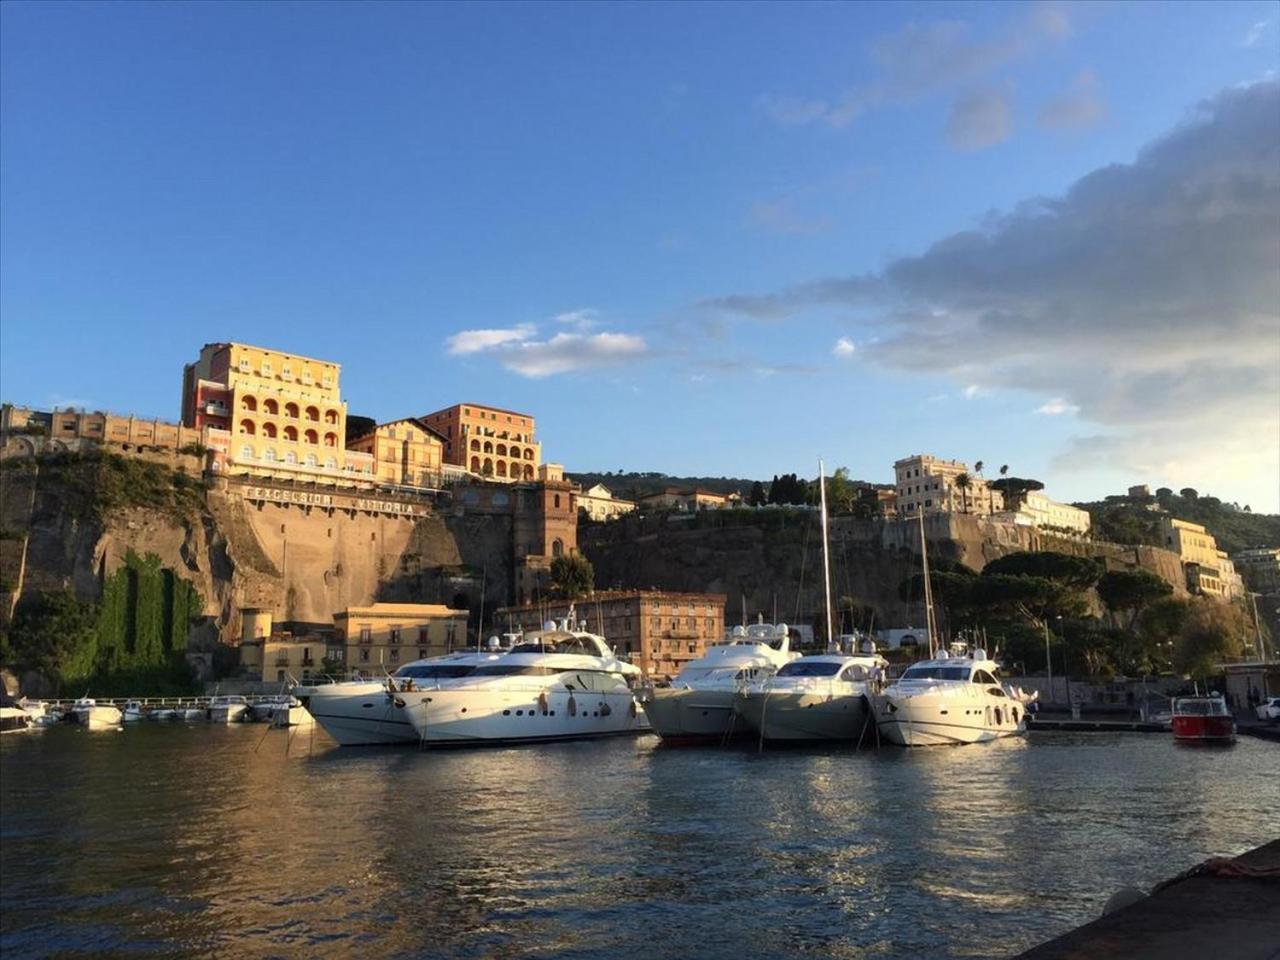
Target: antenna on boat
[
  {"x": 826, "y": 559},
  {"x": 930, "y": 625}
]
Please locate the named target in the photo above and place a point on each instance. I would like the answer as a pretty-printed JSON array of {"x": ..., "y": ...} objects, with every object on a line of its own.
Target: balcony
[{"x": 282, "y": 660}]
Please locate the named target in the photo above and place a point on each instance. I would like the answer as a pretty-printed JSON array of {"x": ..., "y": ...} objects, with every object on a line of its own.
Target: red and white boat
[{"x": 1203, "y": 720}]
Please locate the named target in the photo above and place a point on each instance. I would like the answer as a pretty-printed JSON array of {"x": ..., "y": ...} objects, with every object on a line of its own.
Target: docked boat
[
  {"x": 228, "y": 709},
  {"x": 1203, "y": 720},
  {"x": 90, "y": 714},
  {"x": 191, "y": 713},
  {"x": 365, "y": 712},
  {"x": 699, "y": 704},
  {"x": 560, "y": 683},
  {"x": 291, "y": 714},
  {"x": 814, "y": 698},
  {"x": 13, "y": 718},
  {"x": 133, "y": 712},
  {"x": 265, "y": 709},
  {"x": 162, "y": 713},
  {"x": 948, "y": 700}
]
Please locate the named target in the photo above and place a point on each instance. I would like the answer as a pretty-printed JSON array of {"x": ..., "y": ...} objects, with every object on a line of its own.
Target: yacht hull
[
  {"x": 804, "y": 717},
  {"x": 476, "y": 716},
  {"x": 361, "y": 717},
  {"x": 932, "y": 723},
  {"x": 232, "y": 713},
  {"x": 98, "y": 718},
  {"x": 691, "y": 715}
]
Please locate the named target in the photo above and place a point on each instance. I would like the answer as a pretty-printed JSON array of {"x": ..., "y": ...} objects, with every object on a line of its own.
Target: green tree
[
  {"x": 572, "y": 576},
  {"x": 963, "y": 483},
  {"x": 1211, "y": 633},
  {"x": 1131, "y": 591},
  {"x": 757, "y": 497},
  {"x": 1188, "y": 493},
  {"x": 48, "y": 628},
  {"x": 1015, "y": 489},
  {"x": 1079, "y": 573}
]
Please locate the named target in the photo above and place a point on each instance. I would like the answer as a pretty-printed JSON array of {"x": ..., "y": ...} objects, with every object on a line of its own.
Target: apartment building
[
  {"x": 1048, "y": 514},
  {"x": 1209, "y": 571},
  {"x": 379, "y": 638},
  {"x": 488, "y": 441},
  {"x": 1260, "y": 568},
  {"x": 659, "y": 631},
  {"x": 405, "y": 453},
  {"x": 927, "y": 483},
  {"x": 599, "y": 503}
]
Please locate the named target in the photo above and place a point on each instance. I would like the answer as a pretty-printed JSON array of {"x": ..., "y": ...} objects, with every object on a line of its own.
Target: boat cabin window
[
  {"x": 981, "y": 676},
  {"x": 854, "y": 672},
  {"x": 809, "y": 668},
  {"x": 936, "y": 673},
  {"x": 1200, "y": 708},
  {"x": 514, "y": 669},
  {"x": 580, "y": 646},
  {"x": 435, "y": 670}
]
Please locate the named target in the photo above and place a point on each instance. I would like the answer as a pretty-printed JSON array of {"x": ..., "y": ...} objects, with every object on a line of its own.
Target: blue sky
[{"x": 619, "y": 218}]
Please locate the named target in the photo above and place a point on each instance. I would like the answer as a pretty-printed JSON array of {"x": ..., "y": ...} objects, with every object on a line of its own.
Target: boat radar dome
[
  {"x": 739, "y": 631},
  {"x": 868, "y": 646},
  {"x": 549, "y": 626},
  {"x": 943, "y": 655},
  {"x": 979, "y": 654},
  {"x": 782, "y": 630},
  {"x": 494, "y": 643}
]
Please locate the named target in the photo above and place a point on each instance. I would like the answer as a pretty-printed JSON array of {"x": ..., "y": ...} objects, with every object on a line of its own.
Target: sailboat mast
[
  {"x": 826, "y": 559},
  {"x": 930, "y": 627}
]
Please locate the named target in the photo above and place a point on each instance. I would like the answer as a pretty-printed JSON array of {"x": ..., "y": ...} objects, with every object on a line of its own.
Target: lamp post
[{"x": 1048, "y": 660}]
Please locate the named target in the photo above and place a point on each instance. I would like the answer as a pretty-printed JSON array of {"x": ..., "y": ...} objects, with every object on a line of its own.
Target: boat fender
[
  {"x": 399, "y": 702},
  {"x": 542, "y": 702},
  {"x": 605, "y": 709},
  {"x": 573, "y": 706},
  {"x": 633, "y": 708}
]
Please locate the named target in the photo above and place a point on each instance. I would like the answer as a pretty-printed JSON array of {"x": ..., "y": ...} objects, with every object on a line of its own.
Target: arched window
[
  {"x": 269, "y": 430},
  {"x": 313, "y": 413},
  {"x": 502, "y": 468},
  {"x": 246, "y": 452},
  {"x": 475, "y": 464},
  {"x": 249, "y": 403},
  {"x": 291, "y": 410},
  {"x": 528, "y": 473},
  {"x": 291, "y": 434},
  {"x": 290, "y": 457},
  {"x": 487, "y": 469},
  {"x": 247, "y": 428},
  {"x": 312, "y": 437},
  {"x": 330, "y": 463},
  {"x": 557, "y": 501},
  {"x": 502, "y": 450},
  {"x": 331, "y": 416},
  {"x": 528, "y": 454},
  {"x": 557, "y": 548},
  {"x": 330, "y": 439},
  {"x": 488, "y": 447},
  {"x": 475, "y": 445},
  {"x": 269, "y": 455},
  {"x": 271, "y": 407},
  {"x": 311, "y": 460}
]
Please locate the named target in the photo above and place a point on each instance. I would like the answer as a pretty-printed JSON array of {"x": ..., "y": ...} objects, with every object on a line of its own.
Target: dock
[
  {"x": 1220, "y": 908},
  {"x": 1096, "y": 726}
]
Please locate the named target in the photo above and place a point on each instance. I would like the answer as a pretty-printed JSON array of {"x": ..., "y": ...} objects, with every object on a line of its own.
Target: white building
[
  {"x": 927, "y": 483},
  {"x": 1047, "y": 513},
  {"x": 599, "y": 503}
]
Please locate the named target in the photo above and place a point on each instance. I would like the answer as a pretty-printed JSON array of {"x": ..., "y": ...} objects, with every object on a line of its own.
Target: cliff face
[
  {"x": 66, "y": 531},
  {"x": 774, "y": 560}
]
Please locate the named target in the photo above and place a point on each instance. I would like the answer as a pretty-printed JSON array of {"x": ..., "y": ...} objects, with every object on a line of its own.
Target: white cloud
[
  {"x": 1077, "y": 107},
  {"x": 567, "y": 352},
  {"x": 1056, "y": 407},
  {"x": 1147, "y": 296},
  {"x": 475, "y": 341},
  {"x": 979, "y": 120},
  {"x": 973, "y": 390},
  {"x": 1254, "y": 33},
  {"x": 584, "y": 319},
  {"x": 844, "y": 348},
  {"x": 791, "y": 111}
]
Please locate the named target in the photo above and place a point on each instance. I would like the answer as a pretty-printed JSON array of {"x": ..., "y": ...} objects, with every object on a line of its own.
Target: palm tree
[
  {"x": 977, "y": 468},
  {"x": 1004, "y": 470},
  {"x": 963, "y": 483}
]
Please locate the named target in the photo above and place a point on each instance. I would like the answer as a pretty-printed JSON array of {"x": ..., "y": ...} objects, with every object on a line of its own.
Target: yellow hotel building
[
  {"x": 488, "y": 441},
  {"x": 380, "y": 637},
  {"x": 405, "y": 453},
  {"x": 271, "y": 414}
]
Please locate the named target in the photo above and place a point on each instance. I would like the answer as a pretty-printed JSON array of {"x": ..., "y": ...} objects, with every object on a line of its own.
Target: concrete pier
[{"x": 1225, "y": 908}]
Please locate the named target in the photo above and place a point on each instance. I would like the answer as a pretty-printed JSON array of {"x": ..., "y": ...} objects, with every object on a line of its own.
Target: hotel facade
[{"x": 488, "y": 441}]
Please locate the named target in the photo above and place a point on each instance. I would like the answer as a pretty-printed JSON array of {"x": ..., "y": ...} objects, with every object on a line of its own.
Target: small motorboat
[
  {"x": 1203, "y": 720},
  {"x": 94, "y": 716},
  {"x": 161, "y": 713},
  {"x": 13, "y": 717},
  {"x": 191, "y": 713},
  {"x": 231, "y": 709},
  {"x": 133, "y": 712},
  {"x": 291, "y": 714}
]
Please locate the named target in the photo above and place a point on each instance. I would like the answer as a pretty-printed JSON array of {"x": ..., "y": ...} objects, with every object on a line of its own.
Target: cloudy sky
[{"x": 700, "y": 239}]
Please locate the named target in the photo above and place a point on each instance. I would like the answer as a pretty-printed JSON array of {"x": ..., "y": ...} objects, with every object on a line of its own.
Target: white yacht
[
  {"x": 699, "y": 704},
  {"x": 229, "y": 709},
  {"x": 561, "y": 683},
  {"x": 88, "y": 713},
  {"x": 133, "y": 712},
  {"x": 191, "y": 713},
  {"x": 949, "y": 700},
  {"x": 821, "y": 697},
  {"x": 14, "y": 717},
  {"x": 365, "y": 712}
]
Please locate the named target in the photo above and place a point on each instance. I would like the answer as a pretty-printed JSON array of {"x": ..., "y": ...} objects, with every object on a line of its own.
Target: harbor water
[{"x": 203, "y": 841}]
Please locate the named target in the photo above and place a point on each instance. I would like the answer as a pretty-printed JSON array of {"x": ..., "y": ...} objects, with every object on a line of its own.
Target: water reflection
[{"x": 216, "y": 842}]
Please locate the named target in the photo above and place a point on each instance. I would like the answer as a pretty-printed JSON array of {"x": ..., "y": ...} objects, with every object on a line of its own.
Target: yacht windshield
[
  {"x": 421, "y": 670},
  {"x": 512, "y": 669},
  {"x": 1201, "y": 708},
  {"x": 802, "y": 668},
  {"x": 936, "y": 673},
  {"x": 568, "y": 644}
]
